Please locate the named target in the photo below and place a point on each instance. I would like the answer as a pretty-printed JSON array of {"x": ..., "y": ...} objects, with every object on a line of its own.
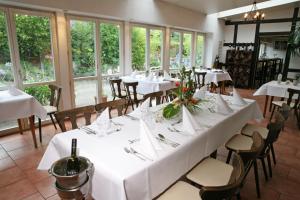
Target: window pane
[
  {"x": 155, "y": 48},
  {"x": 199, "y": 50},
  {"x": 34, "y": 41},
  {"x": 110, "y": 48},
  {"x": 174, "y": 50},
  {"x": 85, "y": 91},
  {"x": 6, "y": 74},
  {"x": 187, "y": 49},
  {"x": 138, "y": 48},
  {"x": 83, "y": 48}
]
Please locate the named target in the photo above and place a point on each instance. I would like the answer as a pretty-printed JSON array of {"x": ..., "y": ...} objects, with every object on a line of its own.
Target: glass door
[{"x": 84, "y": 71}]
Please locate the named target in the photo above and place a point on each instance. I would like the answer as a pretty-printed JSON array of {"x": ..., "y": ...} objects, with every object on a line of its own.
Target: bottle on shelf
[{"x": 73, "y": 164}]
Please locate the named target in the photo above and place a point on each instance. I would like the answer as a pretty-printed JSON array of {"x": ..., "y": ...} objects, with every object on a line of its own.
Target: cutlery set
[{"x": 132, "y": 151}]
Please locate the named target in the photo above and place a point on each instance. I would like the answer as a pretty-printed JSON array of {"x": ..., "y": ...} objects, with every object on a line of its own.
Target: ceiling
[{"x": 211, "y": 6}]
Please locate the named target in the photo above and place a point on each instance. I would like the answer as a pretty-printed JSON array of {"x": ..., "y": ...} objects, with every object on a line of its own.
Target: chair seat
[
  {"x": 250, "y": 128},
  {"x": 239, "y": 142},
  {"x": 50, "y": 109},
  {"x": 211, "y": 172},
  {"x": 279, "y": 103},
  {"x": 181, "y": 191}
]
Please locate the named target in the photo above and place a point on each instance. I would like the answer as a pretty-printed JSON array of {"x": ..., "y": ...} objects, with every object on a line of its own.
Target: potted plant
[{"x": 294, "y": 41}]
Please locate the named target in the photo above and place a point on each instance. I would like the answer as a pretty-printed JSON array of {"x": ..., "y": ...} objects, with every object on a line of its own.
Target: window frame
[
  {"x": 148, "y": 42},
  {"x": 203, "y": 52}
]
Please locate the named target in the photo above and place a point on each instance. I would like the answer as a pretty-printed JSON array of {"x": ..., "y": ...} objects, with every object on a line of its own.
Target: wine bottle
[{"x": 73, "y": 164}]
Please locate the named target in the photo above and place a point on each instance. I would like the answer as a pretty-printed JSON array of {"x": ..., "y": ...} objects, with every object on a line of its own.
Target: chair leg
[
  {"x": 229, "y": 156},
  {"x": 40, "y": 129},
  {"x": 270, "y": 107},
  {"x": 273, "y": 154},
  {"x": 272, "y": 112},
  {"x": 256, "y": 178},
  {"x": 264, "y": 168},
  {"x": 53, "y": 122},
  {"x": 269, "y": 164}
]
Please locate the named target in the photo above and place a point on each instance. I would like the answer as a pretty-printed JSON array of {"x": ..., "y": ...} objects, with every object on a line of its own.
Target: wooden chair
[
  {"x": 294, "y": 105},
  {"x": 72, "y": 115},
  {"x": 154, "y": 95},
  {"x": 119, "y": 104},
  {"x": 183, "y": 191},
  {"x": 52, "y": 107},
  {"x": 199, "y": 79},
  {"x": 249, "y": 149},
  {"x": 170, "y": 94},
  {"x": 131, "y": 94},
  {"x": 115, "y": 86}
]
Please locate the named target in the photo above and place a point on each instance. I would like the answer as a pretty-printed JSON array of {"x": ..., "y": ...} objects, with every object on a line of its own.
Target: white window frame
[
  {"x": 203, "y": 52},
  {"x": 147, "y": 52}
]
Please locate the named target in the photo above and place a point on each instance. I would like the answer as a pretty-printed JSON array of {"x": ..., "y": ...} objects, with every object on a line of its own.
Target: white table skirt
[
  {"x": 121, "y": 176},
  {"x": 273, "y": 88},
  {"x": 148, "y": 86},
  {"x": 213, "y": 76},
  {"x": 19, "y": 106}
]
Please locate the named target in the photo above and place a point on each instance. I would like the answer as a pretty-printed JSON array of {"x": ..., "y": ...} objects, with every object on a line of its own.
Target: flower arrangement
[{"x": 184, "y": 92}]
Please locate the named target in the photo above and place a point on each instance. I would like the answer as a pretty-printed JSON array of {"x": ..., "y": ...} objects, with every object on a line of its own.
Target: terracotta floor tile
[
  {"x": 15, "y": 144},
  {"x": 10, "y": 176},
  {"x": 294, "y": 175},
  {"x": 46, "y": 187},
  {"x": 17, "y": 191},
  {"x": 35, "y": 175},
  {"x": 25, "y": 151},
  {"x": 6, "y": 163},
  {"x": 29, "y": 162},
  {"x": 36, "y": 196},
  {"x": 54, "y": 197}
]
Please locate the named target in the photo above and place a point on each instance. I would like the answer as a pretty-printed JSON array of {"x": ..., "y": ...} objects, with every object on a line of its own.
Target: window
[
  {"x": 35, "y": 47},
  {"x": 138, "y": 48},
  {"x": 199, "y": 50},
  {"x": 156, "y": 48},
  {"x": 83, "y": 61},
  {"x": 175, "y": 50},
  {"x": 180, "y": 49},
  {"x": 6, "y": 73}
]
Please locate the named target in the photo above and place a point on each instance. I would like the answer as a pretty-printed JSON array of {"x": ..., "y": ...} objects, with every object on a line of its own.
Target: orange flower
[
  {"x": 185, "y": 89},
  {"x": 194, "y": 101}
]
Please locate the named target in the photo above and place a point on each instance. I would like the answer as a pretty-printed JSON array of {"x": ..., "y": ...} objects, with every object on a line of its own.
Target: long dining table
[{"x": 122, "y": 176}]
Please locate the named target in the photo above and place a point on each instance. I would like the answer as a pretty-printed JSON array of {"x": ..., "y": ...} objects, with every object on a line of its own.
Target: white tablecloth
[
  {"x": 148, "y": 86},
  {"x": 121, "y": 176},
  {"x": 214, "y": 76},
  {"x": 19, "y": 106},
  {"x": 276, "y": 89}
]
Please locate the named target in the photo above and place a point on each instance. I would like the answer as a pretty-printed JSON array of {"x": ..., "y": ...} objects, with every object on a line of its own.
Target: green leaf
[{"x": 171, "y": 110}]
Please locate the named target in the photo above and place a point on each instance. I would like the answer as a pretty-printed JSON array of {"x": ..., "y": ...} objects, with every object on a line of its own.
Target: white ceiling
[{"x": 211, "y": 6}]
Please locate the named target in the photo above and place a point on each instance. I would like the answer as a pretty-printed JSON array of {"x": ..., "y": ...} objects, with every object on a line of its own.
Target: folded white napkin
[
  {"x": 142, "y": 110},
  {"x": 102, "y": 122},
  {"x": 200, "y": 93},
  {"x": 166, "y": 75},
  {"x": 150, "y": 77},
  {"x": 14, "y": 91},
  {"x": 237, "y": 99},
  {"x": 222, "y": 106},
  {"x": 148, "y": 143},
  {"x": 133, "y": 74},
  {"x": 189, "y": 123}
]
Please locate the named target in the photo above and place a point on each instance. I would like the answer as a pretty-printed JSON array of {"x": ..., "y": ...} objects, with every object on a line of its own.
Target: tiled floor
[{"x": 19, "y": 178}]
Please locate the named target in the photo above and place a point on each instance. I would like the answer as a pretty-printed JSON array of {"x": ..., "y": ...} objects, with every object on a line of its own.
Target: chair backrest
[
  {"x": 249, "y": 155},
  {"x": 198, "y": 77},
  {"x": 72, "y": 115},
  {"x": 133, "y": 86},
  {"x": 274, "y": 130},
  {"x": 119, "y": 104},
  {"x": 154, "y": 95},
  {"x": 116, "y": 91},
  {"x": 293, "y": 92},
  {"x": 229, "y": 190},
  {"x": 285, "y": 110},
  {"x": 55, "y": 95}
]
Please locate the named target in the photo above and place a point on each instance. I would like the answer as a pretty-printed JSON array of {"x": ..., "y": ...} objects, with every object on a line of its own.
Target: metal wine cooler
[{"x": 75, "y": 186}]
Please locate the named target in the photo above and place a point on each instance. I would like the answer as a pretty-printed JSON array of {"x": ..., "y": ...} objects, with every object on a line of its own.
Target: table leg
[
  {"x": 223, "y": 87},
  {"x": 270, "y": 107},
  {"x": 266, "y": 105},
  {"x": 31, "y": 121},
  {"x": 20, "y": 126}
]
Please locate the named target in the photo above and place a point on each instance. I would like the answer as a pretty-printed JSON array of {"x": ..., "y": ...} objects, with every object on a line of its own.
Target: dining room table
[
  {"x": 120, "y": 175},
  {"x": 275, "y": 89},
  {"x": 149, "y": 85},
  {"x": 16, "y": 105}
]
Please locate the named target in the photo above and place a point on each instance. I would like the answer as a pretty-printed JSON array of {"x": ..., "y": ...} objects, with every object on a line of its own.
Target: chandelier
[{"x": 254, "y": 14}]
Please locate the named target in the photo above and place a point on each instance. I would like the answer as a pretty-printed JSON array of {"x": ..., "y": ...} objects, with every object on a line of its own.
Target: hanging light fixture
[{"x": 254, "y": 14}]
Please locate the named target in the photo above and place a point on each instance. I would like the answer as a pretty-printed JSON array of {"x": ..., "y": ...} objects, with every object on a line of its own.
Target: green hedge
[{"x": 41, "y": 92}]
